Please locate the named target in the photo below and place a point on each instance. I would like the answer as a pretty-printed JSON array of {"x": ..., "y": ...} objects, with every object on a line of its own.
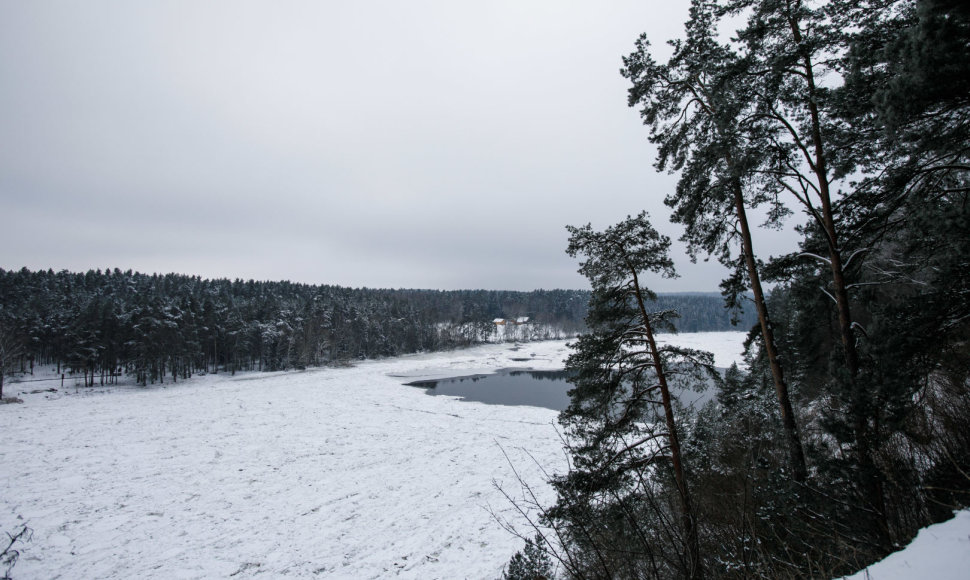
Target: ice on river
[{"x": 325, "y": 473}]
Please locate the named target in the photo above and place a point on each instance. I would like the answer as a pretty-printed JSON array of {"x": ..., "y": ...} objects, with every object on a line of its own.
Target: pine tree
[
  {"x": 621, "y": 417},
  {"x": 531, "y": 563},
  {"x": 10, "y": 351},
  {"x": 695, "y": 106}
]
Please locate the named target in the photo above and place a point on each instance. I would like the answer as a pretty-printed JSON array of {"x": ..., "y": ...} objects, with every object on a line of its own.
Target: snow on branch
[{"x": 822, "y": 259}]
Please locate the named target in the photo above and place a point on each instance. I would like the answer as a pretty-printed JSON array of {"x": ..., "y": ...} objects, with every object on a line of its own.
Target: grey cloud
[{"x": 418, "y": 144}]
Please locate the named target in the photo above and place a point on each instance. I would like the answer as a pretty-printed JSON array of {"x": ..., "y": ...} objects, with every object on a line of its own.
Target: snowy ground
[
  {"x": 939, "y": 552},
  {"x": 336, "y": 473}
]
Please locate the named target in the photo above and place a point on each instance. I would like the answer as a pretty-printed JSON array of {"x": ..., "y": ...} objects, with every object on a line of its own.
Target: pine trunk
[
  {"x": 796, "y": 455},
  {"x": 869, "y": 478},
  {"x": 692, "y": 547}
]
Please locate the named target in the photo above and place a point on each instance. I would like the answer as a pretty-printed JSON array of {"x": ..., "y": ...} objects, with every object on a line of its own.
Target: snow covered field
[{"x": 336, "y": 473}]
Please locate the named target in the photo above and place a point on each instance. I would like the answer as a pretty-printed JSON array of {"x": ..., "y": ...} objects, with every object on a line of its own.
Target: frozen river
[{"x": 333, "y": 472}]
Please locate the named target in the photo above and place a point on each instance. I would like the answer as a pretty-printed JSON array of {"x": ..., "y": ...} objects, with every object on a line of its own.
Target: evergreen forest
[{"x": 103, "y": 325}]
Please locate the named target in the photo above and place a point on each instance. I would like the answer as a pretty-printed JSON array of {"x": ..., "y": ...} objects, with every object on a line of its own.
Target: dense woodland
[
  {"x": 849, "y": 429},
  {"x": 102, "y": 325}
]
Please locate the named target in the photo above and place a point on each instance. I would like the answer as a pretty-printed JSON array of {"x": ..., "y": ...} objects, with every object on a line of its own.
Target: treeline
[
  {"x": 102, "y": 324},
  {"x": 706, "y": 312},
  {"x": 849, "y": 427}
]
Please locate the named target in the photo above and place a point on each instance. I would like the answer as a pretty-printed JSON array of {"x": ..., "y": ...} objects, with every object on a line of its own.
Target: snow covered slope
[
  {"x": 335, "y": 473},
  {"x": 938, "y": 552}
]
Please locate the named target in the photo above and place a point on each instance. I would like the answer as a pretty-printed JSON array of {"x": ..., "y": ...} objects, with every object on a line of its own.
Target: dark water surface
[
  {"x": 524, "y": 387},
  {"x": 506, "y": 387}
]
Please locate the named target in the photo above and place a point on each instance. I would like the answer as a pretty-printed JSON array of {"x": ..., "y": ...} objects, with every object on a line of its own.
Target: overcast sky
[{"x": 423, "y": 144}]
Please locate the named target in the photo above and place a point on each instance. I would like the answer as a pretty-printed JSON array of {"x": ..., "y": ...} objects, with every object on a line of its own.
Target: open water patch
[
  {"x": 547, "y": 389},
  {"x": 506, "y": 387}
]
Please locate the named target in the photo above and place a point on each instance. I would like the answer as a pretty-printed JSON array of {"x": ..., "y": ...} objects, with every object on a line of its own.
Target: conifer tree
[
  {"x": 532, "y": 563},
  {"x": 10, "y": 351},
  {"x": 789, "y": 47},
  {"x": 695, "y": 107},
  {"x": 622, "y": 412}
]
